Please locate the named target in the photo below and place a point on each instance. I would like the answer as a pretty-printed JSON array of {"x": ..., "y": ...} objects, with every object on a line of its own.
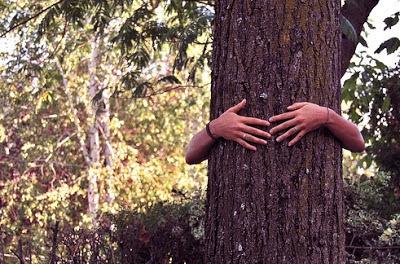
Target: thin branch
[
  {"x": 30, "y": 18},
  {"x": 59, "y": 42},
  {"x": 209, "y": 3},
  {"x": 172, "y": 88},
  {"x": 108, "y": 144},
  {"x": 372, "y": 248},
  {"x": 16, "y": 256},
  {"x": 74, "y": 113},
  {"x": 59, "y": 144},
  {"x": 40, "y": 162},
  {"x": 202, "y": 43}
]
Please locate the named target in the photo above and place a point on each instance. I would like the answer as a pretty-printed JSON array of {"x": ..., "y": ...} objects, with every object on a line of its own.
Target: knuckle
[{"x": 237, "y": 126}]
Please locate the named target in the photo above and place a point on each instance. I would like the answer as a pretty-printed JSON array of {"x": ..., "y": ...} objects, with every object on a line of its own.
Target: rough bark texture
[
  {"x": 94, "y": 143},
  {"x": 103, "y": 121},
  {"x": 280, "y": 204}
]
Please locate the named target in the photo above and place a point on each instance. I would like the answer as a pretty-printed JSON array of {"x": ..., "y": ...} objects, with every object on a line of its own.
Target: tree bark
[
  {"x": 103, "y": 121},
  {"x": 357, "y": 13},
  {"x": 93, "y": 138},
  {"x": 279, "y": 204}
]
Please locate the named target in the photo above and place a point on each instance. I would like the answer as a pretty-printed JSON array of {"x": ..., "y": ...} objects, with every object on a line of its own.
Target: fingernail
[
  {"x": 290, "y": 144},
  {"x": 278, "y": 139},
  {"x": 267, "y": 123},
  {"x": 271, "y": 119}
]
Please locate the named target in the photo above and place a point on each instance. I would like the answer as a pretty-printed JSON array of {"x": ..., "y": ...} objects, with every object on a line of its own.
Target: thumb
[{"x": 238, "y": 107}]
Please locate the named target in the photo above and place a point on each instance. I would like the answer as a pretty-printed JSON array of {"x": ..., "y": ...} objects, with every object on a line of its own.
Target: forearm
[
  {"x": 199, "y": 147},
  {"x": 229, "y": 126},
  {"x": 345, "y": 131}
]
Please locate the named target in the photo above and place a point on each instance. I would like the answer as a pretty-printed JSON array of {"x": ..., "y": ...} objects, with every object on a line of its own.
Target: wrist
[
  {"x": 213, "y": 128},
  {"x": 329, "y": 116},
  {"x": 324, "y": 116}
]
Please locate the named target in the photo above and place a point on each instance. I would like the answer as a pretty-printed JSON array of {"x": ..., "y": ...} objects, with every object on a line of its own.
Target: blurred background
[{"x": 98, "y": 100}]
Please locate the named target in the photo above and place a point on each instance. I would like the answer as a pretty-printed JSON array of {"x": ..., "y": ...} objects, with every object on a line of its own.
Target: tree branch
[
  {"x": 373, "y": 248},
  {"x": 357, "y": 13},
  {"x": 30, "y": 18}
]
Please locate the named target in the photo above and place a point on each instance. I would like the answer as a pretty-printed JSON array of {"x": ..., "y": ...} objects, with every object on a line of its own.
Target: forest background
[{"x": 98, "y": 101}]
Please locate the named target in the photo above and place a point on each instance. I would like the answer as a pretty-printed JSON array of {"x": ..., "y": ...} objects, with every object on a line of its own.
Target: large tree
[{"x": 280, "y": 204}]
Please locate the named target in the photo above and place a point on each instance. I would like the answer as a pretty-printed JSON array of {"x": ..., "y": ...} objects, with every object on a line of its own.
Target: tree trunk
[
  {"x": 103, "y": 120},
  {"x": 93, "y": 138},
  {"x": 279, "y": 204},
  {"x": 357, "y": 13}
]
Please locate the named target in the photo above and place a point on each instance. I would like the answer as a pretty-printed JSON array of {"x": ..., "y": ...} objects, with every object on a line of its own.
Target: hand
[
  {"x": 302, "y": 118},
  {"x": 232, "y": 126}
]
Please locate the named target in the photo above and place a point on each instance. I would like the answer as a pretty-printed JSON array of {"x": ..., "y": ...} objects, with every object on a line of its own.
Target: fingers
[
  {"x": 283, "y": 126},
  {"x": 255, "y": 131},
  {"x": 254, "y": 121},
  {"x": 296, "y": 106},
  {"x": 238, "y": 107},
  {"x": 288, "y": 133},
  {"x": 297, "y": 138},
  {"x": 283, "y": 116},
  {"x": 253, "y": 139},
  {"x": 245, "y": 144}
]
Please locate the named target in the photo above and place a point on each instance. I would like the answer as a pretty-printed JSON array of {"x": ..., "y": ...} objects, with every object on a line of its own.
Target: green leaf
[
  {"x": 370, "y": 25},
  {"x": 391, "y": 45},
  {"x": 140, "y": 90},
  {"x": 386, "y": 104},
  {"x": 363, "y": 42},
  {"x": 380, "y": 64},
  {"x": 170, "y": 79},
  {"x": 348, "y": 29},
  {"x": 98, "y": 96},
  {"x": 349, "y": 87},
  {"x": 391, "y": 21}
]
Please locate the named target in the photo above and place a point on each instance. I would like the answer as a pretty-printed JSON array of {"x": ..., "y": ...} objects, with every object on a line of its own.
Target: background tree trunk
[
  {"x": 280, "y": 204},
  {"x": 93, "y": 137}
]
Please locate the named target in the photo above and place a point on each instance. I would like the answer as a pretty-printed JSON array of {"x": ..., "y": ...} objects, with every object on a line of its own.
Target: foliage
[
  {"x": 373, "y": 94},
  {"x": 372, "y": 220},
  {"x": 137, "y": 31},
  {"x": 45, "y": 189},
  {"x": 47, "y": 110},
  {"x": 174, "y": 232},
  {"x": 166, "y": 233}
]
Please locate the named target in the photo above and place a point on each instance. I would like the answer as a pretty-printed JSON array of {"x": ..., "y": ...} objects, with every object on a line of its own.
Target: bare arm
[
  {"x": 305, "y": 117},
  {"x": 198, "y": 147},
  {"x": 346, "y": 132},
  {"x": 230, "y": 126}
]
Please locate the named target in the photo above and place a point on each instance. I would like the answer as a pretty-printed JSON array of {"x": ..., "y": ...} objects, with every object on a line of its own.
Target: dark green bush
[{"x": 372, "y": 221}]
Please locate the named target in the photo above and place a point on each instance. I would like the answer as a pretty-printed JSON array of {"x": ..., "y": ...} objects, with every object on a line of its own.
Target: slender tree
[{"x": 279, "y": 204}]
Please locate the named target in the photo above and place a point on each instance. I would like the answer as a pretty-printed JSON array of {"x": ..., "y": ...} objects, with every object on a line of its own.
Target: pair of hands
[{"x": 302, "y": 118}]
